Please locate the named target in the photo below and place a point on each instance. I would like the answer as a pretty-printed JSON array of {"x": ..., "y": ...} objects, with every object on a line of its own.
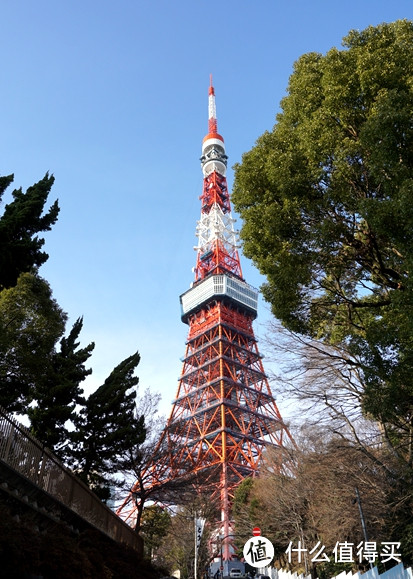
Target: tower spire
[
  {"x": 217, "y": 239},
  {"x": 212, "y": 111}
]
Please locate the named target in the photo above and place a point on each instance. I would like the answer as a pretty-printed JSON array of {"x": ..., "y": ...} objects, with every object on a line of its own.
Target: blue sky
[{"x": 111, "y": 97}]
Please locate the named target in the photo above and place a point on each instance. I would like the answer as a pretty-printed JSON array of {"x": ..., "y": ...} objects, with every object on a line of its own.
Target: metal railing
[{"x": 25, "y": 454}]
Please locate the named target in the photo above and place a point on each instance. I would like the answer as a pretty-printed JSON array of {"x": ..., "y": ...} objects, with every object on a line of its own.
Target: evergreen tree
[
  {"x": 31, "y": 323},
  {"x": 156, "y": 522},
  {"x": 108, "y": 428},
  {"x": 22, "y": 220},
  {"x": 57, "y": 392}
]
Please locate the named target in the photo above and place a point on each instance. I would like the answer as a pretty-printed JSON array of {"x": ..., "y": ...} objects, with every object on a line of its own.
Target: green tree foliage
[
  {"x": 108, "y": 427},
  {"x": 22, "y": 220},
  {"x": 57, "y": 391},
  {"x": 32, "y": 368},
  {"x": 246, "y": 512},
  {"x": 328, "y": 217},
  {"x": 156, "y": 522},
  {"x": 31, "y": 322}
]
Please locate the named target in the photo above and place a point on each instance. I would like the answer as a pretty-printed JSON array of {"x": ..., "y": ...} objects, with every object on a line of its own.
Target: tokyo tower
[{"x": 224, "y": 414}]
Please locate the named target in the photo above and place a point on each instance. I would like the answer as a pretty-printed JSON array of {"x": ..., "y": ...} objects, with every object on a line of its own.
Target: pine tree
[
  {"x": 22, "y": 220},
  {"x": 31, "y": 323},
  {"x": 109, "y": 427},
  {"x": 57, "y": 392}
]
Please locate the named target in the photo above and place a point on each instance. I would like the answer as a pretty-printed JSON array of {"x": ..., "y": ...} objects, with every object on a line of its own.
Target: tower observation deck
[{"x": 224, "y": 414}]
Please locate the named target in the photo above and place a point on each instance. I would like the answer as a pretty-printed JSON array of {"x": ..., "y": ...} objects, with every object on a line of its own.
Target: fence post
[{"x": 9, "y": 442}]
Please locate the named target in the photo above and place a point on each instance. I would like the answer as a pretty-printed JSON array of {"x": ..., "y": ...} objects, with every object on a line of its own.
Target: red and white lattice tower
[{"x": 224, "y": 414}]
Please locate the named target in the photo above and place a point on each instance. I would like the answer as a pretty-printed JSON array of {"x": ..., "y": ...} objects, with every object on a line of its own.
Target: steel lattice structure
[{"x": 224, "y": 414}]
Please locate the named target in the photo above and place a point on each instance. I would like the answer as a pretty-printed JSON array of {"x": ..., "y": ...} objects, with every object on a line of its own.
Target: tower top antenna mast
[
  {"x": 212, "y": 113},
  {"x": 217, "y": 239}
]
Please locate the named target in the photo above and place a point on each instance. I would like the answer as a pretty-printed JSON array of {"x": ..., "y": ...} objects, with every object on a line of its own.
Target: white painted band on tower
[
  {"x": 212, "y": 111},
  {"x": 213, "y": 141}
]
